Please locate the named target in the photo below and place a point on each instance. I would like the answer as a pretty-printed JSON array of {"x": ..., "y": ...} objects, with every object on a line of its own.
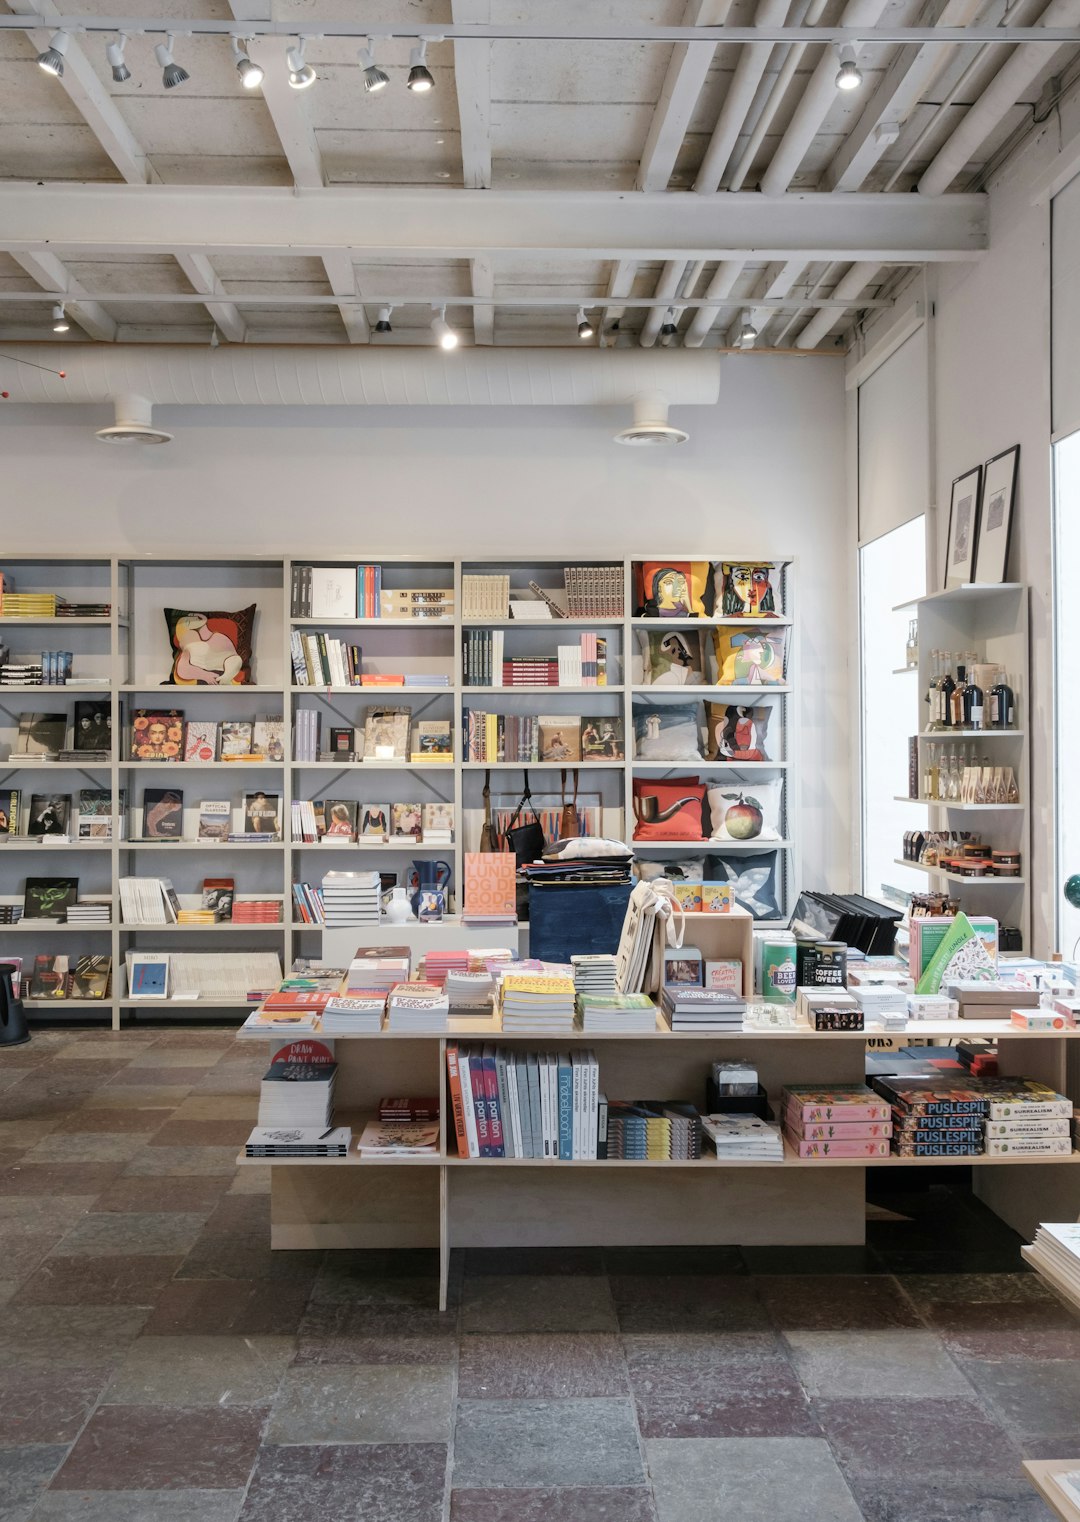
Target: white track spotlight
[
  {"x": 420, "y": 76},
  {"x": 114, "y": 57},
  {"x": 251, "y": 76},
  {"x": 52, "y": 60},
  {"x": 301, "y": 74},
  {"x": 747, "y": 333},
  {"x": 374, "y": 77},
  {"x": 448, "y": 339},
  {"x": 585, "y": 328},
  {"x": 60, "y": 323},
  {"x": 171, "y": 72},
  {"x": 383, "y": 324},
  {"x": 848, "y": 76}
]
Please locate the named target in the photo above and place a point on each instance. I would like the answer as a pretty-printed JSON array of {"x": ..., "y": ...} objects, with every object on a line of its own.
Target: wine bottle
[
  {"x": 946, "y": 688},
  {"x": 973, "y": 702},
  {"x": 958, "y": 700},
  {"x": 1001, "y": 704}
]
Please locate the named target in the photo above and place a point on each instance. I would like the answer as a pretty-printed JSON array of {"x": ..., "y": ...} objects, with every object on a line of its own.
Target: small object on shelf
[{"x": 148, "y": 974}]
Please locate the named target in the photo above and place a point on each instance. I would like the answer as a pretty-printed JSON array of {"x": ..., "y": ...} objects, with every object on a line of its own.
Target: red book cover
[
  {"x": 285, "y": 1000},
  {"x": 491, "y": 1094}
]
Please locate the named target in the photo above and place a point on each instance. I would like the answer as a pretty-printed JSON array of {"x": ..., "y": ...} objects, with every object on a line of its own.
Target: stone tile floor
[{"x": 159, "y": 1364}]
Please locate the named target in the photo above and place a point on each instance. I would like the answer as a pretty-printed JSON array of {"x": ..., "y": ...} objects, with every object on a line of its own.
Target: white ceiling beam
[
  {"x": 776, "y": 283},
  {"x": 906, "y": 79},
  {"x": 738, "y": 100},
  {"x": 620, "y": 284},
  {"x": 845, "y": 295},
  {"x": 719, "y": 286},
  {"x": 482, "y": 272},
  {"x": 816, "y": 101},
  {"x": 667, "y": 288},
  {"x": 472, "y": 81},
  {"x": 563, "y": 302},
  {"x": 364, "y": 221},
  {"x": 53, "y": 275},
  {"x": 288, "y": 112},
  {"x": 687, "y": 71},
  {"x": 200, "y": 272}
]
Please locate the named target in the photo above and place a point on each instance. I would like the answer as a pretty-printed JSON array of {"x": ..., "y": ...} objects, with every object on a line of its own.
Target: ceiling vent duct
[
  {"x": 133, "y": 423},
  {"x": 650, "y": 427}
]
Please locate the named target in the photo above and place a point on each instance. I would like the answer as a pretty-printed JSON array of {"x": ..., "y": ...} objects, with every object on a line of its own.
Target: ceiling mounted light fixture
[
  {"x": 251, "y": 75},
  {"x": 448, "y": 339},
  {"x": 114, "y": 57},
  {"x": 383, "y": 324},
  {"x": 848, "y": 76},
  {"x": 172, "y": 74},
  {"x": 52, "y": 60},
  {"x": 669, "y": 327},
  {"x": 301, "y": 74},
  {"x": 420, "y": 78},
  {"x": 60, "y": 323},
  {"x": 374, "y": 78},
  {"x": 748, "y": 334},
  {"x": 585, "y": 328}
]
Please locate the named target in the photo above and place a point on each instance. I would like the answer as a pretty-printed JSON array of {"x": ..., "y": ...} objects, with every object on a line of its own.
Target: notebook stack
[
  {"x": 629, "y": 1014},
  {"x": 298, "y": 1094},
  {"x": 420, "y": 1008},
  {"x": 595, "y": 975},
  {"x": 934, "y": 1115},
  {"x": 354, "y": 1014},
  {"x": 1027, "y": 1119},
  {"x": 653, "y": 1131},
  {"x": 298, "y": 1141},
  {"x": 350, "y": 898},
  {"x": 438, "y": 963},
  {"x": 89, "y": 912},
  {"x": 702, "y": 1009},
  {"x": 537, "y": 1004},
  {"x": 746, "y": 1137},
  {"x": 847, "y": 1120}
]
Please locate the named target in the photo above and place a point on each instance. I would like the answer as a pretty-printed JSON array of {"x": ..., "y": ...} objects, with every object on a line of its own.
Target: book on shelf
[
  {"x": 92, "y": 729},
  {"x": 322, "y": 660},
  {"x": 484, "y": 663},
  {"x": 298, "y": 1141},
  {"x": 148, "y": 974},
  {"x": 262, "y": 815},
  {"x": 157, "y": 734},
  {"x": 41, "y": 734},
  {"x": 201, "y": 740},
  {"x": 399, "y": 1138},
  {"x": 594, "y": 591},
  {"x": 308, "y": 902},
  {"x": 235, "y": 738},
  {"x": 485, "y": 596},
  {"x": 416, "y": 604},
  {"x": 163, "y": 813},
  {"x": 50, "y": 814},
  {"x": 559, "y": 737},
  {"x": 373, "y": 821},
  {"x": 10, "y": 806},
  {"x": 498, "y": 736},
  {"x": 49, "y": 977},
  {"x": 215, "y": 819},
  {"x": 490, "y": 888},
  {"x": 90, "y": 977},
  {"x": 507, "y": 1102},
  {"x": 406, "y": 821},
  {"x": 601, "y": 738},
  {"x": 432, "y": 741},
  {"x": 332, "y": 591},
  {"x": 219, "y": 895},
  {"x": 340, "y": 817},
  {"x": 49, "y": 898},
  {"x": 386, "y": 733}
]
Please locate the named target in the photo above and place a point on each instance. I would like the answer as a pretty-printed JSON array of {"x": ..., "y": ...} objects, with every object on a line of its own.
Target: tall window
[
  {"x": 892, "y": 570},
  {"x": 1066, "y": 644}
]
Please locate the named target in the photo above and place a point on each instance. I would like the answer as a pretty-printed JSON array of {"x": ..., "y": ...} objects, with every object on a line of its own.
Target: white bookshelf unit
[{"x": 128, "y": 653}]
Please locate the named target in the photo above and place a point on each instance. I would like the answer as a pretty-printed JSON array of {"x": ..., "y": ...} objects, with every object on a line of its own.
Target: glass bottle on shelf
[
  {"x": 1012, "y": 791},
  {"x": 931, "y": 699},
  {"x": 958, "y": 699},
  {"x": 952, "y": 790},
  {"x": 911, "y": 649},
  {"x": 973, "y": 703},
  {"x": 1002, "y": 703},
  {"x": 946, "y": 687}
]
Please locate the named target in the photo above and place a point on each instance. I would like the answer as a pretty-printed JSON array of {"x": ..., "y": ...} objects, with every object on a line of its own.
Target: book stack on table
[
  {"x": 420, "y": 1008},
  {"x": 847, "y": 1120},
  {"x": 377, "y": 967},
  {"x": 298, "y": 1094},
  {"x": 471, "y": 993},
  {"x": 594, "y": 974},
  {"x": 744, "y": 1136},
  {"x": 537, "y": 1004},
  {"x": 437, "y": 964},
  {"x": 702, "y": 1009},
  {"x": 617, "y": 1014},
  {"x": 357, "y": 1014}
]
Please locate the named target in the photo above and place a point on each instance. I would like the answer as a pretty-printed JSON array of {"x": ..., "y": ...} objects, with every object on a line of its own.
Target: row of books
[
  {"x": 385, "y": 734},
  {"x": 347, "y": 820},
  {"x": 51, "y": 668},
  {"x": 357, "y": 591},
  {"x": 164, "y": 735},
  {"x": 44, "y": 735},
  {"x": 545, "y": 737},
  {"x": 49, "y": 814},
  {"x": 484, "y": 663},
  {"x": 510, "y": 1103},
  {"x": 15, "y": 604},
  {"x": 320, "y": 660},
  {"x": 589, "y": 591},
  {"x": 57, "y": 977},
  {"x": 229, "y": 978}
]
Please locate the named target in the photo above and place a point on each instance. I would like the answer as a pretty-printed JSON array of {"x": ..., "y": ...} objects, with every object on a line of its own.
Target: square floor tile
[
  {"x": 185, "y": 1196},
  {"x": 993, "y": 1330},
  {"x": 845, "y": 1302},
  {"x": 667, "y": 1261},
  {"x": 688, "y": 1303},
  {"x": 46, "y": 1405},
  {"x": 158, "y": 1448},
  {"x": 200, "y": 1371},
  {"x": 563, "y": 1261},
  {"x": 529, "y": 1443},
  {"x": 976, "y": 1289},
  {"x": 355, "y": 1482},
  {"x": 40, "y": 1180},
  {"x": 126, "y": 1280},
  {"x": 878, "y": 1439},
  {"x": 972, "y": 1500},
  {"x": 540, "y": 1303},
  {"x": 227, "y": 1307},
  {"x": 373, "y": 1278},
  {"x": 811, "y": 1260},
  {"x": 203, "y": 1133},
  {"x": 37, "y": 1336},
  {"x": 181, "y": 1162},
  {"x": 138, "y": 1506},
  {"x": 1033, "y": 1399},
  {"x": 86, "y": 1147},
  {"x": 229, "y": 1256},
  {"x": 124, "y": 1118},
  {"x": 875, "y": 1365},
  {"x": 376, "y": 1334},
  {"x": 24, "y": 1473},
  {"x": 110, "y": 1235},
  {"x": 541, "y": 1366},
  {"x": 377, "y": 1404},
  {"x": 763, "y": 1479},
  {"x": 567, "y": 1504},
  {"x": 697, "y": 1397},
  {"x": 234, "y": 1214}
]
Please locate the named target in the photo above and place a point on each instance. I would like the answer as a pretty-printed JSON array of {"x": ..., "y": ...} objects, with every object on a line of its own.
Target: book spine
[
  {"x": 602, "y": 1126},
  {"x": 491, "y": 1093},
  {"x": 469, "y": 1102},
  {"x": 456, "y": 1104},
  {"x": 566, "y": 1107}
]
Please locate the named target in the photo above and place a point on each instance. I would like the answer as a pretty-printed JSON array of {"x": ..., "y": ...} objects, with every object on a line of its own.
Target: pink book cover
[
  {"x": 829, "y": 1130},
  {"x": 839, "y": 1148},
  {"x": 490, "y": 882},
  {"x": 852, "y": 1104}
]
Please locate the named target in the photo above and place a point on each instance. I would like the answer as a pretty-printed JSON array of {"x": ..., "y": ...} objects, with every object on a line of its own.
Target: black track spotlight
[
  {"x": 114, "y": 57},
  {"x": 669, "y": 327},
  {"x": 172, "y": 74},
  {"x": 585, "y": 328},
  {"x": 374, "y": 78},
  {"x": 52, "y": 60},
  {"x": 301, "y": 74},
  {"x": 420, "y": 76},
  {"x": 383, "y": 324}
]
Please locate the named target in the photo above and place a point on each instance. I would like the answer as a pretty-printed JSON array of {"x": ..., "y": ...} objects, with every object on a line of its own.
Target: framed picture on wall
[
  {"x": 995, "y": 515},
  {"x": 963, "y": 518}
]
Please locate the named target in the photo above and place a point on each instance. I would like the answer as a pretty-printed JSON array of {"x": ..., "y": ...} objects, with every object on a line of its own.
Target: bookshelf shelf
[
  {"x": 688, "y": 694},
  {"x": 167, "y": 768},
  {"x": 48, "y": 927},
  {"x": 56, "y": 623},
  {"x": 542, "y": 766},
  {"x": 232, "y": 927},
  {"x": 218, "y": 847},
  {"x": 373, "y": 692},
  {"x": 10, "y": 843},
  {"x": 958, "y": 877},
  {"x": 723, "y": 846},
  {"x": 177, "y": 695},
  {"x": 373, "y": 623},
  {"x": 545, "y": 687},
  {"x": 709, "y": 766},
  {"x": 542, "y": 623},
  {"x": 777, "y": 621},
  {"x": 52, "y": 689},
  {"x": 42, "y": 764},
  {"x": 965, "y": 808}
]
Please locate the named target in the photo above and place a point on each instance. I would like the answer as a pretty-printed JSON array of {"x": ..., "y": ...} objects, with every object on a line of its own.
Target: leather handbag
[
  {"x": 568, "y": 819},
  {"x": 488, "y": 838},
  {"x": 525, "y": 839}
]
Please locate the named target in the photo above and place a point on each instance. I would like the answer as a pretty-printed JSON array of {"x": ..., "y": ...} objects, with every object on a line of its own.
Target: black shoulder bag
[{"x": 525, "y": 839}]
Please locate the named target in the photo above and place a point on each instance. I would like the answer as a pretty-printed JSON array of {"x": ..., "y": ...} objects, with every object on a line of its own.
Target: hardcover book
[
  {"x": 433, "y": 739},
  {"x": 47, "y": 898},
  {"x": 93, "y": 725},
  {"x": 218, "y": 894},
  {"x": 262, "y": 813},
  {"x": 268, "y": 738},
  {"x": 49, "y": 814},
  {"x": 201, "y": 742},
  {"x": 339, "y": 816},
  {"x": 560, "y": 737},
  {"x": 602, "y": 739},
  {"x": 10, "y": 800},
  {"x": 49, "y": 977},
  {"x": 148, "y": 974},
  {"x": 90, "y": 980},
  {"x": 41, "y": 734},
  {"x": 386, "y": 734},
  {"x": 406, "y": 819},
  {"x": 375, "y": 819},
  {"x": 490, "y": 883},
  {"x": 163, "y": 813},
  {"x": 157, "y": 734},
  {"x": 95, "y": 813},
  {"x": 215, "y": 819},
  {"x": 236, "y": 737}
]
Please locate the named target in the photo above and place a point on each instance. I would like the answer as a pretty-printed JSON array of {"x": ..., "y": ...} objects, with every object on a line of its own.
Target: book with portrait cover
[
  {"x": 93, "y": 725},
  {"x": 163, "y": 813},
  {"x": 49, "y": 814}
]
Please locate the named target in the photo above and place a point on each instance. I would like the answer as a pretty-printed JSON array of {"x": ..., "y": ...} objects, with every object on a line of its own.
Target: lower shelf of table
[{"x": 1041, "y": 1474}]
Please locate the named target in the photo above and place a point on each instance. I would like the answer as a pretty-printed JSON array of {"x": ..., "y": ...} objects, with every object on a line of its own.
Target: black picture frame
[
  {"x": 963, "y": 526},
  {"x": 996, "y": 504}
]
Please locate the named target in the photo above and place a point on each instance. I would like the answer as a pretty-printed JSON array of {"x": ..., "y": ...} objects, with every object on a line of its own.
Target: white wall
[{"x": 763, "y": 474}]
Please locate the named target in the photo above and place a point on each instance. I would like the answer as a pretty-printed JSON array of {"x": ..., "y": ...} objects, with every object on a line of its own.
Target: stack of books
[
  {"x": 298, "y": 1141},
  {"x": 28, "y": 604},
  {"x": 934, "y": 1115},
  {"x": 353, "y": 1014},
  {"x": 702, "y": 1009},
  {"x": 10, "y": 914},
  {"x": 396, "y": 1138},
  {"x": 1056, "y": 1249},
  {"x": 537, "y": 1004},
  {"x": 298, "y": 1094},
  {"x": 626, "y": 1014},
  {"x": 349, "y": 899},
  {"x": 65, "y": 609},
  {"x": 22, "y": 674},
  {"x": 744, "y": 1137},
  {"x": 847, "y": 1120},
  {"x": 471, "y": 993},
  {"x": 437, "y": 964},
  {"x": 511, "y": 1103},
  {"x": 653, "y": 1130},
  {"x": 595, "y": 974},
  {"x": 256, "y": 911},
  {"x": 377, "y": 967},
  {"x": 420, "y": 1008},
  {"x": 89, "y": 912},
  {"x": 424, "y": 679}
]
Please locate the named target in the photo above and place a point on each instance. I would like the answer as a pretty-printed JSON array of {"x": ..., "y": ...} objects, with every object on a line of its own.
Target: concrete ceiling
[{"x": 608, "y": 171}]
